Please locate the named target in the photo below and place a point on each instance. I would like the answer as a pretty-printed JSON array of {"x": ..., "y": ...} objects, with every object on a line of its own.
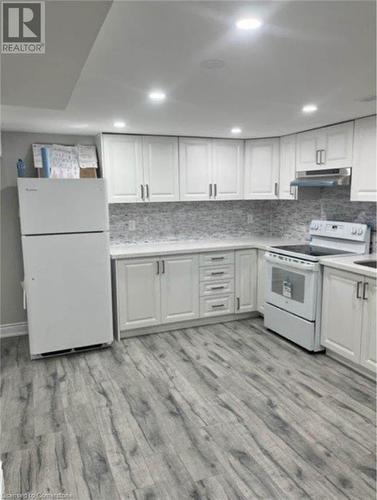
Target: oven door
[{"x": 292, "y": 284}]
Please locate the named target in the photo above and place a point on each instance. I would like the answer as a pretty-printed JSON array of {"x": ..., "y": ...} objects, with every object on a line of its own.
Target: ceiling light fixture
[
  {"x": 250, "y": 23},
  {"x": 309, "y": 108},
  {"x": 119, "y": 124},
  {"x": 157, "y": 95},
  {"x": 236, "y": 130}
]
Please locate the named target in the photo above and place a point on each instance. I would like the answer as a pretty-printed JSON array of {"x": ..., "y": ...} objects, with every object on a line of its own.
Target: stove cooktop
[{"x": 310, "y": 250}]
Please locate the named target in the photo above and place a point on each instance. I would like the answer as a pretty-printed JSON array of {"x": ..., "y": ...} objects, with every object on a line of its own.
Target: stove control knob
[
  {"x": 360, "y": 231},
  {"x": 353, "y": 230},
  {"x": 314, "y": 226}
]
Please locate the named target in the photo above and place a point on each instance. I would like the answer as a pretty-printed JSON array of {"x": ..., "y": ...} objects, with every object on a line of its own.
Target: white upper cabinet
[
  {"x": 227, "y": 169},
  {"x": 324, "y": 148},
  {"x": 195, "y": 168},
  {"x": 363, "y": 184},
  {"x": 287, "y": 167},
  {"x": 160, "y": 161},
  {"x": 210, "y": 169},
  {"x": 140, "y": 168},
  {"x": 261, "y": 169},
  {"x": 123, "y": 168}
]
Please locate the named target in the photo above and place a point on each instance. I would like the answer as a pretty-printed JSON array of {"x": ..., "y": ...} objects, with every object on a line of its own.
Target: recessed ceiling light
[
  {"x": 236, "y": 130},
  {"x": 119, "y": 124},
  {"x": 157, "y": 95},
  {"x": 309, "y": 108},
  {"x": 249, "y": 23}
]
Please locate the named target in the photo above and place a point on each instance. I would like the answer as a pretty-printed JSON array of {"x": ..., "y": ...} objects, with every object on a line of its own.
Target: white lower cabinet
[
  {"x": 179, "y": 288},
  {"x": 261, "y": 284},
  {"x": 246, "y": 280},
  {"x": 349, "y": 316},
  {"x": 138, "y": 293},
  {"x": 172, "y": 289},
  {"x": 157, "y": 290},
  {"x": 368, "y": 331}
]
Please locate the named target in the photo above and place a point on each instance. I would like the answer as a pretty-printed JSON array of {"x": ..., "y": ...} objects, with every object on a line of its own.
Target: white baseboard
[{"x": 13, "y": 330}]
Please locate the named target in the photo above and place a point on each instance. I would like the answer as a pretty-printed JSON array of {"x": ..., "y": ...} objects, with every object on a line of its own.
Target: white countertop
[
  {"x": 129, "y": 250},
  {"x": 347, "y": 263}
]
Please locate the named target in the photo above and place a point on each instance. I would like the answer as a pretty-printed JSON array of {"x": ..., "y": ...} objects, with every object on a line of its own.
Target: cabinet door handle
[
  {"x": 147, "y": 190},
  {"x": 163, "y": 266},
  {"x": 217, "y": 287},
  {"x": 217, "y": 258},
  {"x": 365, "y": 287},
  {"x": 24, "y": 299},
  {"x": 317, "y": 157},
  {"x": 158, "y": 267},
  {"x": 210, "y": 190},
  {"x": 238, "y": 304},
  {"x": 276, "y": 188},
  {"x": 359, "y": 283},
  {"x": 218, "y": 273},
  {"x": 322, "y": 157},
  {"x": 215, "y": 190},
  {"x": 142, "y": 191},
  {"x": 215, "y": 306}
]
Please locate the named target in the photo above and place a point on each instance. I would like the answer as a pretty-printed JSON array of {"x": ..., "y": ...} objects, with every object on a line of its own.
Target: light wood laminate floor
[{"x": 226, "y": 411}]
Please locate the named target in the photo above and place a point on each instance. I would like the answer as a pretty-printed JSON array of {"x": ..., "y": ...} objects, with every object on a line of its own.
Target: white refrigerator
[{"x": 67, "y": 281}]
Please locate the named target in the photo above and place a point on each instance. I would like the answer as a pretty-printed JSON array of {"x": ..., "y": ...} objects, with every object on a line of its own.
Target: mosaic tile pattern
[{"x": 227, "y": 219}]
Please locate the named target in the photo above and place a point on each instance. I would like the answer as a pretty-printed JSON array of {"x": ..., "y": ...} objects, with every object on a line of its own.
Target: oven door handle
[{"x": 307, "y": 266}]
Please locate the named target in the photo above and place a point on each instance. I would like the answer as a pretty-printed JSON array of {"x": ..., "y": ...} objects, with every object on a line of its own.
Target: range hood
[{"x": 323, "y": 178}]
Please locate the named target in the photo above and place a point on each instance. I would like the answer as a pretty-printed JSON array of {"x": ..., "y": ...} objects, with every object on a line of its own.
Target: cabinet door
[
  {"x": 308, "y": 143},
  {"x": 138, "y": 291},
  {"x": 160, "y": 161},
  {"x": 227, "y": 169},
  {"x": 261, "y": 169},
  {"x": 179, "y": 288},
  {"x": 368, "y": 332},
  {"x": 338, "y": 147},
  {"x": 246, "y": 280},
  {"x": 287, "y": 170},
  {"x": 261, "y": 289},
  {"x": 122, "y": 167},
  {"x": 364, "y": 169},
  {"x": 341, "y": 313},
  {"x": 195, "y": 168}
]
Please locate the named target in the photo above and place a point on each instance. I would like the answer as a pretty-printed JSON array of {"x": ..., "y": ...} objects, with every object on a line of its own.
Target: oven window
[{"x": 288, "y": 284}]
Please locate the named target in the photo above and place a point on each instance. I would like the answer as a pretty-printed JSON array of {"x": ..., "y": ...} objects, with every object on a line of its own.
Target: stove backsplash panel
[{"x": 227, "y": 219}]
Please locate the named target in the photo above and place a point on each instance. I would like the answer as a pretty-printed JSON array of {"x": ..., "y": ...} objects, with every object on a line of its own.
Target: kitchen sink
[{"x": 367, "y": 263}]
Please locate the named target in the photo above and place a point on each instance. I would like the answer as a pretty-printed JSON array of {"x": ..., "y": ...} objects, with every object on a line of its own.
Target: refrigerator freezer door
[
  {"x": 51, "y": 206},
  {"x": 67, "y": 282}
]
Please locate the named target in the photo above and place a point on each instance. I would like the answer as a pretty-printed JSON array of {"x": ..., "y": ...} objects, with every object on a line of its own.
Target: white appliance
[
  {"x": 294, "y": 279},
  {"x": 65, "y": 244}
]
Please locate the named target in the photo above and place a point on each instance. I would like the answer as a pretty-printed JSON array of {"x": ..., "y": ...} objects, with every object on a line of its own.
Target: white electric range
[{"x": 294, "y": 279}]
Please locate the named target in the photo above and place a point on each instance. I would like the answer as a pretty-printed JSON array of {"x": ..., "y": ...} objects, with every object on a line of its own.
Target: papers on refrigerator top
[{"x": 66, "y": 161}]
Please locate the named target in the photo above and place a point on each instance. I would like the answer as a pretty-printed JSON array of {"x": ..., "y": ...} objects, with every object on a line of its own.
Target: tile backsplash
[{"x": 227, "y": 219}]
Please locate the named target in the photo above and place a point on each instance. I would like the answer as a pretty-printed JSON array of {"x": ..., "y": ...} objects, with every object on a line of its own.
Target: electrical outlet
[
  {"x": 250, "y": 219},
  {"x": 131, "y": 225}
]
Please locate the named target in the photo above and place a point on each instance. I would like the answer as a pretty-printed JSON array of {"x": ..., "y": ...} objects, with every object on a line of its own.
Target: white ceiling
[{"x": 321, "y": 52}]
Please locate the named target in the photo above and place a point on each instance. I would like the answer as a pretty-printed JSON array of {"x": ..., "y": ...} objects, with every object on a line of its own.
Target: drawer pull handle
[
  {"x": 238, "y": 304},
  {"x": 217, "y": 258},
  {"x": 215, "y": 306},
  {"x": 218, "y": 273},
  {"x": 217, "y": 287}
]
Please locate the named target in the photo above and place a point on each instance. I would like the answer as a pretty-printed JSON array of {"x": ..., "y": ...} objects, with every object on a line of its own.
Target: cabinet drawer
[
  {"x": 217, "y": 273},
  {"x": 216, "y": 258},
  {"x": 216, "y": 306},
  {"x": 216, "y": 287}
]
